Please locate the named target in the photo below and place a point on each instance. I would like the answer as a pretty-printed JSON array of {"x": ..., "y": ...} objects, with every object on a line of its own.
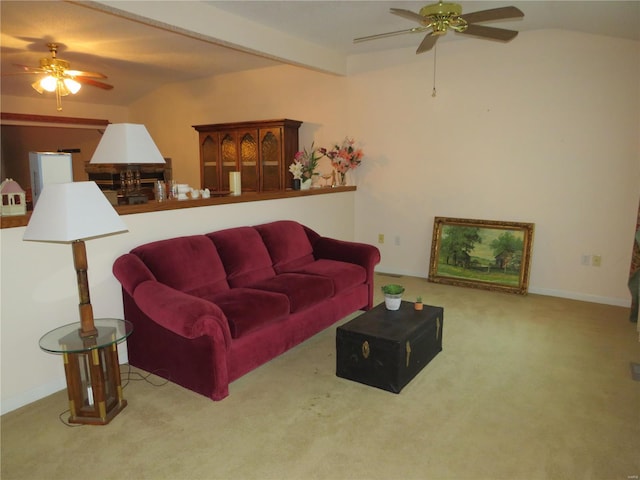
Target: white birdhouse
[{"x": 13, "y": 198}]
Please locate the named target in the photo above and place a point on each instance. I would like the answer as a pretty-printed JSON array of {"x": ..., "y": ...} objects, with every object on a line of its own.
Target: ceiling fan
[
  {"x": 440, "y": 17},
  {"x": 59, "y": 78}
]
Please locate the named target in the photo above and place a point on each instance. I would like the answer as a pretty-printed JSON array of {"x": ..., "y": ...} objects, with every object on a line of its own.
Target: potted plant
[
  {"x": 418, "y": 305},
  {"x": 392, "y": 296}
]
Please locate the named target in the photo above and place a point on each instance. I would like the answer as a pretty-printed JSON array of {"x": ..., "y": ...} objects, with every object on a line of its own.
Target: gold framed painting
[{"x": 487, "y": 254}]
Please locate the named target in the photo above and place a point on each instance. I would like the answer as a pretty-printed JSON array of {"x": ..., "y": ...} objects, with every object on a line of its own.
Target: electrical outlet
[
  {"x": 396, "y": 240},
  {"x": 381, "y": 238},
  {"x": 585, "y": 260},
  {"x": 596, "y": 260}
]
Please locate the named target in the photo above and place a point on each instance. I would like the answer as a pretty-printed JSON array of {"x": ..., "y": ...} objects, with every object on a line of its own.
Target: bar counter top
[{"x": 12, "y": 221}]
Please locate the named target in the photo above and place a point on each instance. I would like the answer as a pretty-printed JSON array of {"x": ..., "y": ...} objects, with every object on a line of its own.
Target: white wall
[
  {"x": 544, "y": 129},
  {"x": 39, "y": 289}
]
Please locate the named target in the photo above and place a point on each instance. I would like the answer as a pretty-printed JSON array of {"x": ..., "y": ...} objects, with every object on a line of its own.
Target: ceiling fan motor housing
[
  {"x": 54, "y": 64},
  {"x": 442, "y": 16}
]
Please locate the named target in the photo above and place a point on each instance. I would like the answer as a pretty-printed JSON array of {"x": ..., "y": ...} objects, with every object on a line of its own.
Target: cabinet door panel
[
  {"x": 209, "y": 154},
  {"x": 271, "y": 159},
  {"x": 249, "y": 160},
  {"x": 229, "y": 154}
]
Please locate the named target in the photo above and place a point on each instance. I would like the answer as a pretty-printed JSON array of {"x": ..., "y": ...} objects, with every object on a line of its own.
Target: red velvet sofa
[{"x": 207, "y": 309}]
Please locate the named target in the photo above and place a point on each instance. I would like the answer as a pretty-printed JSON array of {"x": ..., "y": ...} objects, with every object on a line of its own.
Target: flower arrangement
[
  {"x": 305, "y": 162},
  {"x": 344, "y": 157}
]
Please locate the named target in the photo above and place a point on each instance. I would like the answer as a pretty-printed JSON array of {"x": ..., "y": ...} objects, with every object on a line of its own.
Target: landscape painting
[{"x": 485, "y": 254}]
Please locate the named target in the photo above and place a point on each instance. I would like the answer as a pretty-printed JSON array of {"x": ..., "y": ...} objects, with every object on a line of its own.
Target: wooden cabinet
[{"x": 260, "y": 150}]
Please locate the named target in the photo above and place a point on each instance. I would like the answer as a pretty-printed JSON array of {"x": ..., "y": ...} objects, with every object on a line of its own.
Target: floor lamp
[{"x": 72, "y": 213}]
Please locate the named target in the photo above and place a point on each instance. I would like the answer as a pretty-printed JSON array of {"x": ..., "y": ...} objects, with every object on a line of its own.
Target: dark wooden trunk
[{"x": 386, "y": 349}]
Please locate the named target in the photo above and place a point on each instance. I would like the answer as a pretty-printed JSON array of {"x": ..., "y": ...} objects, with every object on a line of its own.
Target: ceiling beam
[{"x": 208, "y": 23}]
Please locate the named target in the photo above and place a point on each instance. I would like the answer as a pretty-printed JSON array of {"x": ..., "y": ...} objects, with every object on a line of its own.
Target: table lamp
[
  {"x": 127, "y": 144},
  {"x": 72, "y": 213}
]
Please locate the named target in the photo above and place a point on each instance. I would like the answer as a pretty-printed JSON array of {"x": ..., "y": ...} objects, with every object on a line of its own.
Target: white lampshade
[
  {"x": 67, "y": 212},
  {"x": 49, "y": 83},
  {"x": 72, "y": 85},
  {"x": 128, "y": 143}
]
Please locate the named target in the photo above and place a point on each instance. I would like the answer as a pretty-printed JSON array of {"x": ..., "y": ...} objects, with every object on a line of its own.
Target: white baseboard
[
  {"x": 584, "y": 297},
  {"x": 13, "y": 403}
]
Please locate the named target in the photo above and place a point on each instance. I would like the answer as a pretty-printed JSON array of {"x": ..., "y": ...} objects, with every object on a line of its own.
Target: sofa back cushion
[
  {"x": 244, "y": 256},
  {"x": 287, "y": 243},
  {"x": 189, "y": 264}
]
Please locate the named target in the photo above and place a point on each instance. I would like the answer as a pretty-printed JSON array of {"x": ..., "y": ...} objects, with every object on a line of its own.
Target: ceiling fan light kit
[{"x": 59, "y": 78}]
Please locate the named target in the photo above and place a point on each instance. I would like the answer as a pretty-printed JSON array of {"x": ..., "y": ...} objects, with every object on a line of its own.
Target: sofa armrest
[
  {"x": 181, "y": 313},
  {"x": 131, "y": 272},
  {"x": 361, "y": 254}
]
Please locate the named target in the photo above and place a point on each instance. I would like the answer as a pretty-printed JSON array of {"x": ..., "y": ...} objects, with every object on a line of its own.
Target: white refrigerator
[{"x": 48, "y": 167}]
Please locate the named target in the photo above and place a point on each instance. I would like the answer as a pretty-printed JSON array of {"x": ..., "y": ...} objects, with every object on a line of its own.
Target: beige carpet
[{"x": 526, "y": 388}]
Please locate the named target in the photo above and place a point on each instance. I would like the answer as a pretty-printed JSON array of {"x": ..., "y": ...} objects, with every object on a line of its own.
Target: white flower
[{"x": 296, "y": 169}]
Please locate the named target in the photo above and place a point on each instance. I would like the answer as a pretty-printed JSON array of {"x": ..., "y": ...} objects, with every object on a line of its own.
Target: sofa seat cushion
[
  {"x": 248, "y": 309},
  {"x": 244, "y": 256},
  {"x": 302, "y": 290},
  {"x": 190, "y": 264},
  {"x": 344, "y": 275}
]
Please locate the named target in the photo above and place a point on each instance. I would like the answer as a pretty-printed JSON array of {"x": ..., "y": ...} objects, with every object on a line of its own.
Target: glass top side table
[
  {"x": 66, "y": 339},
  {"x": 92, "y": 368}
]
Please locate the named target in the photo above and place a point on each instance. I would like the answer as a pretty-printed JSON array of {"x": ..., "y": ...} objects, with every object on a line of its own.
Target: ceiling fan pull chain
[
  {"x": 435, "y": 51},
  {"x": 58, "y": 96}
]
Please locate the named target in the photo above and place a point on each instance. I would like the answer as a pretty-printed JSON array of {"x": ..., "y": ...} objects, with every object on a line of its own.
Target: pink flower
[{"x": 344, "y": 157}]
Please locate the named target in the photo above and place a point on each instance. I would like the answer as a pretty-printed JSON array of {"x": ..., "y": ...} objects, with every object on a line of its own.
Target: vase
[
  {"x": 305, "y": 185},
  {"x": 295, "y": 185},
  {"x": 315, "y": 180},
  {"x": 342, "y": 179}
]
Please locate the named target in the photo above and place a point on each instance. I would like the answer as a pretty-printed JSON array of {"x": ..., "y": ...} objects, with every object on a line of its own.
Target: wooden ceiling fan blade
[
  {"x": 93, "y": 83},
  {"x": 79, "y": 73},
  {"x": 427, "y": 43},
  {"x": 408, "y": 14},
  {"x": 492, "y": 14},
  {"x": 490, "y": 32},
  {"x": 21, "y": 73},
  {"x": 389, "y": 34},
  {"x": 28, "y": 69}
]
